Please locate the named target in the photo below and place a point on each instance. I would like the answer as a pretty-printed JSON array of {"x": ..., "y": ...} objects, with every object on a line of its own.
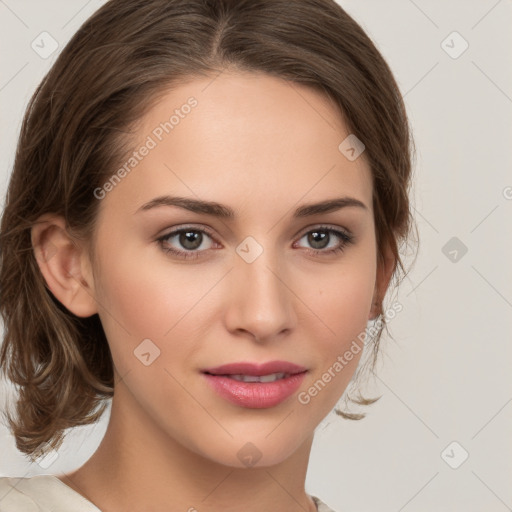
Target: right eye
[{"x": 189, "y": 238}]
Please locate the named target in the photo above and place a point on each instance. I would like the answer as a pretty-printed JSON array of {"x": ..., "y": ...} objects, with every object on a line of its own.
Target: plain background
[{"x": 446, "y": 379}]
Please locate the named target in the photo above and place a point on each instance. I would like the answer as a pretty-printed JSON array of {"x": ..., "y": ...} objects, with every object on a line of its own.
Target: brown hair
[{"x": 76, "y": 130}]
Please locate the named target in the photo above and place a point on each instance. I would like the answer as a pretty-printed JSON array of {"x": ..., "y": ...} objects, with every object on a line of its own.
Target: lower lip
[{"x": 255, "y": 395}]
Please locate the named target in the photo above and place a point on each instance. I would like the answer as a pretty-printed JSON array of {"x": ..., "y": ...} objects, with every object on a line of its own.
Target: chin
[{"x": 254, "y": 451}]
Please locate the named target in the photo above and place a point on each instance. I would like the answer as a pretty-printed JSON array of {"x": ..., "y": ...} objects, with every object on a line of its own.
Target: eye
[
  {"x": 190, "y": 238},
  {"x": 320, "y": 238}
]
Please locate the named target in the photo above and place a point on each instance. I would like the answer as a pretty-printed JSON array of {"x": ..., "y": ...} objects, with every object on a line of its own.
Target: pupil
[
  {"x": 189, "y": 239},
  {"x": 323, "y": 237}
]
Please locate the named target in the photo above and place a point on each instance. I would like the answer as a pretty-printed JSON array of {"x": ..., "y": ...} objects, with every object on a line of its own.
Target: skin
[{"x": 263, "y": 147}]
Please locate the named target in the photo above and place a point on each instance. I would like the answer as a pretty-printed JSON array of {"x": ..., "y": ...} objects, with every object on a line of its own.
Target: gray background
[{"x": 446, "y": 378}]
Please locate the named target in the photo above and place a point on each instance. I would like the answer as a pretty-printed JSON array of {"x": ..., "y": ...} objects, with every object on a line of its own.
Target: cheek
[
  {"x": 342, "y": 304},
  {"x": 342, "y": 301},
  {"x": 346, "y": 321},
  {"x": 143, "y": 298}
]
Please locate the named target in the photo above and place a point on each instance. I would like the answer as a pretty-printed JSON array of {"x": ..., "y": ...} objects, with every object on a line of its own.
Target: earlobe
[
  {"x": 61, "y": 261},
  {"x": 384, "y": 272}
]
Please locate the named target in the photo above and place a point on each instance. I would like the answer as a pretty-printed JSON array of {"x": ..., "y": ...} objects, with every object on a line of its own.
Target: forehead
[{"x": 249, "y": 140}]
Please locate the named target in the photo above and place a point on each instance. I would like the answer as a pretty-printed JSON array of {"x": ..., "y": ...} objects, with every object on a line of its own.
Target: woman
[{"x": 204, "y": 213}]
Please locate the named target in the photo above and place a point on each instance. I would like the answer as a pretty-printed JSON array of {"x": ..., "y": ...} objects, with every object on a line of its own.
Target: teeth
[{"x": 259, "y": 378}]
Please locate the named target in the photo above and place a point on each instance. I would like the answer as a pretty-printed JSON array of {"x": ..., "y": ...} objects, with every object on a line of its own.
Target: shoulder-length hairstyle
[{"x": 77, "y": 129}]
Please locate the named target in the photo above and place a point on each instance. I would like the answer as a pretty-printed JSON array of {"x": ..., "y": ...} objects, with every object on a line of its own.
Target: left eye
[
  {"x": 319, "y": 239},
  {"x": 191, "y": 239}
]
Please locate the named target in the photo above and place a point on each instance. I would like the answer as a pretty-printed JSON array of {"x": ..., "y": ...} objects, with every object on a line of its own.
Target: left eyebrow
[
  {"x": 225, "y": 212},
  {"x": 327, "y": 206}
]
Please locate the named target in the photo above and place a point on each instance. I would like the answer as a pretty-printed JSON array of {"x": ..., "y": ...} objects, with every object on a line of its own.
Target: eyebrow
[{"x": 225, "y": 212}]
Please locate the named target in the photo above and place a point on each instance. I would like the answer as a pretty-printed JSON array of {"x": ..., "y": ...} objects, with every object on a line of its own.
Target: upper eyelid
[{"x": 177, "y": 230}]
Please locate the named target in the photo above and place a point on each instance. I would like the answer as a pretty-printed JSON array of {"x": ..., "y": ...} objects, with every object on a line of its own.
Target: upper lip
[{"x": 255, "y": 369}]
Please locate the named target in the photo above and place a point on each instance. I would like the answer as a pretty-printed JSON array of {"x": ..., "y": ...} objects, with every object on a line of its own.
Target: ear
[
  {"x": 385, "y": 267},
  {"x": 64, "y": 264}
]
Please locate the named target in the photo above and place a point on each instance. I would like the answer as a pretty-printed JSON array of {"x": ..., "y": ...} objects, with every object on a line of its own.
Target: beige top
[{"x": 47, "y": 493}]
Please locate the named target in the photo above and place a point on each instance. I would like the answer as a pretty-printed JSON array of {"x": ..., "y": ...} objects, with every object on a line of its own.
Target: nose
[{"x": 262, "y": 303}]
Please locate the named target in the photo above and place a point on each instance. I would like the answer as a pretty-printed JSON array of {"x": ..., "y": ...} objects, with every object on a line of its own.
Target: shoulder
[
  {"x": 41, "y": 493},
  {"x": 46, "y": 493},
  {"x": 13, "y": 498},
  {"x": 320, "y": 505}
]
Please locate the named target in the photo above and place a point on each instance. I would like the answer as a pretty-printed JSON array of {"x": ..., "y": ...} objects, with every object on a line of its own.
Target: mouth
[{"x": 256, "y": 386}]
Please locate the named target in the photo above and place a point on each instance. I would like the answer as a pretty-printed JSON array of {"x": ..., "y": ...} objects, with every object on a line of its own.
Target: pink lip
[{"x": 255, "y": 395}]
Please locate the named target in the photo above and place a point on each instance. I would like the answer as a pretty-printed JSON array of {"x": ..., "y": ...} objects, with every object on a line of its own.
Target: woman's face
[{"x": 260, "y": 285}]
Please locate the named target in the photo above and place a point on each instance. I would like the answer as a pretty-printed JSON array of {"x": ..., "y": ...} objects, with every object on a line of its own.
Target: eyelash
[{"x": 346, "y": 239}]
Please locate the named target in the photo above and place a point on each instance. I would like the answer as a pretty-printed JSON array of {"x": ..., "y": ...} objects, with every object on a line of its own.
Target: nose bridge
[{"x": 261, "y": 303}]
